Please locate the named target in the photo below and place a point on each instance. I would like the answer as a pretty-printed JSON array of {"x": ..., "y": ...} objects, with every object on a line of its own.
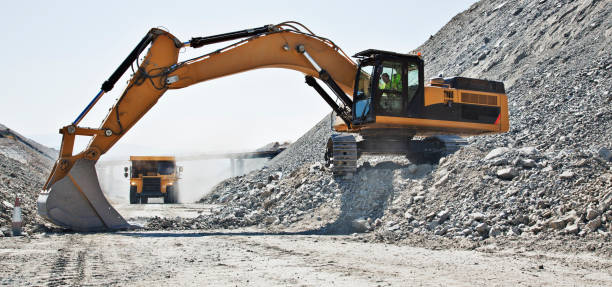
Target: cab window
[
  {"x": 390, "y": 86},
  {"x": 413, "y": 81}
]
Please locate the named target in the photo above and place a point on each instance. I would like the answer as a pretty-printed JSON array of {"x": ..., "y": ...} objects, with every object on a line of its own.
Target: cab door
[{"x": 365, "y": 87}]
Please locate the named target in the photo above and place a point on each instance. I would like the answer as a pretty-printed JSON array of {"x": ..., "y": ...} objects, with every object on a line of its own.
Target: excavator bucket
[{"x": 77, "y": 202}]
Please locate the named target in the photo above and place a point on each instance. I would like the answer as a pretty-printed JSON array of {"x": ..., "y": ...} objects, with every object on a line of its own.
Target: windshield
[
  {"x": 364, "y": 92},
  {"x": 151, "y": 168},
  {"x": 165, "y": 167}
]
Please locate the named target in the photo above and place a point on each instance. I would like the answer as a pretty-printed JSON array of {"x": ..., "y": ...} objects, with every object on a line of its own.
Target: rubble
[
  {"x": 548, "y": 179},
  {"x": 549, "y": 176},
  {"x": 24, "y": 167}
]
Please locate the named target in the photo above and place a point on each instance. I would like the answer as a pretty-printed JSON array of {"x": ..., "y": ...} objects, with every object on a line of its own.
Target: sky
[{"x": 56, "y": 54}]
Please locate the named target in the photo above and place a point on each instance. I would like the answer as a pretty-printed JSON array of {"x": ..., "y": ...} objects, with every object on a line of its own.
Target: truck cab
[{"x": 153, "y": 177}]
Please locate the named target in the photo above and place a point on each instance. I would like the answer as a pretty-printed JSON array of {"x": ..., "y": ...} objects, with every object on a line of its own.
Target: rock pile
[
  {"x": 24, "y": 167},
  {"x": 550, "y": 175}
]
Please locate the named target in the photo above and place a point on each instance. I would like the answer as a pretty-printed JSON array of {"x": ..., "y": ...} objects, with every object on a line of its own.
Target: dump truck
[
  {"x": 151, "y": 177},
  {"x": 382, "y": 103}
]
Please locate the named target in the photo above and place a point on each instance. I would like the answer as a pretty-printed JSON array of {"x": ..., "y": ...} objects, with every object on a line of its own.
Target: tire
[
  {"x": 133, "y": 196},
  {"x": 175, "y": 194},
  {"x": 168, "y": 195},
  {"x": 144, "y": 200}
]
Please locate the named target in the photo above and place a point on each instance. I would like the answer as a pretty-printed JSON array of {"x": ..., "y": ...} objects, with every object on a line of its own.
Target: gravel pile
[
  {"x": 24, "y": 167},
  {"x": 548, "y": 179}
]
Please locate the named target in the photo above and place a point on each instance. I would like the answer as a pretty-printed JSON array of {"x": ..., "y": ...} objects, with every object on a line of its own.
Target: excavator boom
[{"x": 72, "y": 197}]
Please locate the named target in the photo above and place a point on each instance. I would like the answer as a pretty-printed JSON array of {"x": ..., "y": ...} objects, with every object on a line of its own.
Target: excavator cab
[{"x": 387, "y": 84}]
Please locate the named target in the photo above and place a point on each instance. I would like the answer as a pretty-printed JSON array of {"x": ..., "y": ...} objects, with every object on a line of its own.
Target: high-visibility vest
[{"x": 394, "y": 84}]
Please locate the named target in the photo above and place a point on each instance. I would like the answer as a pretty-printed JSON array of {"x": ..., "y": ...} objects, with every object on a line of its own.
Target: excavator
[{"x": 380, "y": 101}]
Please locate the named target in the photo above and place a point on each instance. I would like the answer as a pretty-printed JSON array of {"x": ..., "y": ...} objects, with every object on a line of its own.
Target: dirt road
[
  {"x": 137, "y": 214},
  {"x": 250, "y": 258}
]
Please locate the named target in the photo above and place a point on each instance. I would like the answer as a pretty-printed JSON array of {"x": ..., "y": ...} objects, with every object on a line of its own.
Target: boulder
[
  {"x": 507, "y": 173},
  {"x": 477, "y": 216},
  {"x": 572, "y": 229},
  {"x": 498, "y": 152},
  {"x": 591, "y": 214},
  {"x": 360, "y": 225},
  {"x": 443, "y": 216},
  {"x": 528, "y": 151},
  {"x": 593, "y": 224},
  {"x": 557, "y": 224},
  {"x": 483, "y": 229}
]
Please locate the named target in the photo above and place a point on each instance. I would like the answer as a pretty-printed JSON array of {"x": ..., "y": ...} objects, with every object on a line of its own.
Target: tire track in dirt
[
  {"x": 314, "y": 261},
  {"x": 68, "y": 266}
]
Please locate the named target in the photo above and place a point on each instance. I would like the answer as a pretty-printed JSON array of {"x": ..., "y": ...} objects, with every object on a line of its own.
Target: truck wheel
[
  {"x": 133, "y": 198},
  {"x": 168, "y": 195},
  {"x": 144, "y": 200},
  {"x": 174, "y": 195}
]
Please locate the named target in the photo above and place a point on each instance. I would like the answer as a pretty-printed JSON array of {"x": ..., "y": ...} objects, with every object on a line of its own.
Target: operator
[
  {"x": 391, "y": 102},
  {"x": 386, "y": 81},
  {"x": 388, "y": 84}
]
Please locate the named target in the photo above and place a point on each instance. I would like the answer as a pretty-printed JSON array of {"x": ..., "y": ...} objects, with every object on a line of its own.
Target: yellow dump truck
[{"x": 153, "y": 176}]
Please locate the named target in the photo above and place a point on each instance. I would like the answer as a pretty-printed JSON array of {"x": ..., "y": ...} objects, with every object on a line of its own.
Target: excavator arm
[{"x": 72, "y": 196}]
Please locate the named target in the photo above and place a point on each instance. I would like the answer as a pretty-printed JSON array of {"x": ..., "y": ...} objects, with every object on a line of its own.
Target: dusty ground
[
  {"x": 137, "y": 214},
  {"x": 244, "y": 257}
]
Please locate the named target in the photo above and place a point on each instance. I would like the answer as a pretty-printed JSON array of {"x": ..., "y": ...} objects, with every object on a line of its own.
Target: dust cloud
[{"x": 196, "y": 180}]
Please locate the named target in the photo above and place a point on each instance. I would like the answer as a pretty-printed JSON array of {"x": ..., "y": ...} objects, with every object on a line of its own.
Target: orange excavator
[{"x": 381, "y": 102}]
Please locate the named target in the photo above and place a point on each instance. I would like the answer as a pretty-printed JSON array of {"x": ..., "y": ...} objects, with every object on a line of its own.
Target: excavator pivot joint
[
  {"x": 92, "y": 153},
  {"x": 300, "y": 48},
  {"x": 70, "y": 129}
]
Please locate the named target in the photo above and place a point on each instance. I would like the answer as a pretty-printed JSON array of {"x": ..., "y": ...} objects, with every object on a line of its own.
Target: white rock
[
  {"x": 7, "y": 204},
  {"x": 360, "y": 225},
  {"x": 500, "y": 151},
  {"x": 529, "y": 150},
  {"x": 477, "y": 216},
  {"x": 566, "y": 174},
  {"x": 572, "y": 229},
  {"x": 507, "y": 173}
]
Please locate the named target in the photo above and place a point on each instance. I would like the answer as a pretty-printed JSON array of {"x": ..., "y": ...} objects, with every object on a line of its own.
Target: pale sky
[{"x": 56, "y": 54}]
